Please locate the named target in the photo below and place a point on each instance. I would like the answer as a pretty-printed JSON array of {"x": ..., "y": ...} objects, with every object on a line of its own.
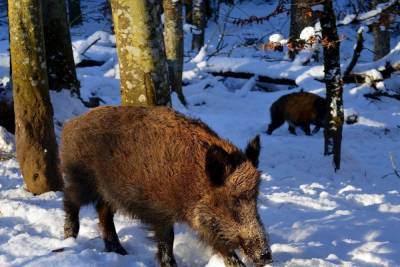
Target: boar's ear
[
  {"x": 253, "y": 150},
  {"x": 218, "y": 165}
]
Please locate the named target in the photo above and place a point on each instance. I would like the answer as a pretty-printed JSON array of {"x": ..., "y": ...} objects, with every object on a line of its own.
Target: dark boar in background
[
  {"x": 154, "y": 164},
  {"x": 298, "y": 110}
]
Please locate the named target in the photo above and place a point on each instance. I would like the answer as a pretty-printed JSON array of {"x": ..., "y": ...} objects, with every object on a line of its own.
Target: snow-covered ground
[{"x": 314, "y": 216}]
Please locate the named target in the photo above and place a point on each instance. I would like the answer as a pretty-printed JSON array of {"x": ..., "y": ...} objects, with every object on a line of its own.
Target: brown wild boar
[
  {"x": 155, "y": 164},
  {"x": 298, "y": 109}
]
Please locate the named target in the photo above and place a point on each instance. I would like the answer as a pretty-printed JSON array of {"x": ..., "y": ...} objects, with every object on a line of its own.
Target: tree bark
[
  {"x": 173, "y": 39},
  {"x": 188, "y": 11},
  {"x": 299, "y": 19},
  {"x": 35, "y": 138},
  {"x": 141, "y": 53},
  {"x": 59, "y": 56},
  {"x": 199, "y": 20},
  {"x": 334, "y": 90},
  {"x": 380, "y": 33},
  {"x": 75, "y": 12}
]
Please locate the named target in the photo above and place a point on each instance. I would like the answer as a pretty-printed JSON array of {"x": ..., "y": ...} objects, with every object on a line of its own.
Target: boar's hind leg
[
  {"x": 164, "y": 235},
  {"x": 71, "y": 223},
  {"x": 107, "y": 228}
]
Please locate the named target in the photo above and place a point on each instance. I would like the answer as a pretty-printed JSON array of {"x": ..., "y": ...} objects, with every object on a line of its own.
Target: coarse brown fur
[
  {"x": 298, "y": 109},
  {"x": 157, "y": 165}
]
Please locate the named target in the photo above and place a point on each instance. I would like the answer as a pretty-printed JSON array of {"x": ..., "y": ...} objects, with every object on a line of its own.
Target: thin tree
[
  {"x": 35, "y": 138},
  {"x": 199, "y": 20},
  {"x": 75, "y": 12},
  {"x": 333, "y": 81},
  {"x": 141, "y": 53},
  {"x": 59, "y": 56},
  {"x": 381, "y": 33},
  {"x": 173, "y": 39}
]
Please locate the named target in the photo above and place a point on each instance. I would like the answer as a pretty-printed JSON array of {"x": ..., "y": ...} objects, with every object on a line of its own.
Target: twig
[{"x": 89, "y": 46}]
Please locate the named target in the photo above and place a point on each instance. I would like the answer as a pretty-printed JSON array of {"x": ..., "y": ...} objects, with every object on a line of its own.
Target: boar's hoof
[
  {"x": 233, "y": 261},
  {"x": 114, "y": 247}
]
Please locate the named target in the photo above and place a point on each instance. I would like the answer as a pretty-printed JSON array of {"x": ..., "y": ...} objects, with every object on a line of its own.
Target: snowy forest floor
[{"x": 314, "y": 216}]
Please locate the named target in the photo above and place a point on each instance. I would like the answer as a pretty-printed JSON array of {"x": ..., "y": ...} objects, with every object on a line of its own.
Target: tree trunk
[
  {"x": 35, "y": 138},
  {"x": 188, "y": 11},
  {"x": 381, "y": 33},
  {"x": 299, "y": 19},
  {"x": 334, "y": 90},
  {"x": 173, "y": 39},
  {"x": 75, "y": 12},
  {"x": 141, "y": 53},
  {"x": 59, "y": 56},
  {"x": 199, "y": 20}
]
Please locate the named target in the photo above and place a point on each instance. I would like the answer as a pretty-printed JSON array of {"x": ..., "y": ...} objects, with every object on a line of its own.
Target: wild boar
[
  {"x": 157, "y": 165},
  {"x": 298, "y": 109}
]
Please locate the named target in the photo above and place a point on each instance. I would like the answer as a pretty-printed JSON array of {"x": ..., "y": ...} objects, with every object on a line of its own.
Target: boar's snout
[
  {"x": 265, "y": 258},
  {"x": 257, "y": 250}
]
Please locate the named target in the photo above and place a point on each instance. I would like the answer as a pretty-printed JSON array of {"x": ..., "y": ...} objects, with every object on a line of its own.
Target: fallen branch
[
  {"x": 6, "y": 156},
  {"x": 370, "y": 14},
  {"x": 378, "y": 94},
  {"x": 89, "y": 63},
  {"x": 261, "y": 78}
]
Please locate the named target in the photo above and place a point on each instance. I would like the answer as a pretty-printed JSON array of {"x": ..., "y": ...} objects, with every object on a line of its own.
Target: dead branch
[
  {"x": 358, "y": 18},
  {"x": 376, "y": 95},
  {"x": 356, "y": 55},
  {"x": 261, "y": 78}
]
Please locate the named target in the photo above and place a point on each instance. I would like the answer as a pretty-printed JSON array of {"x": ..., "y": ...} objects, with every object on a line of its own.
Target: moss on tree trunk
[
  {"x": 35, "y": 138},
  {"x": 60, "y": 60},
  {"x": 141, "y": 53},
  {"x": 173, "y": 39}
]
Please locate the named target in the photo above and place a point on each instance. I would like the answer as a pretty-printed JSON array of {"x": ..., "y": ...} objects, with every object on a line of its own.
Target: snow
[
  {"x": 314, "y": 215},
  {"x": 307, "y": 33},
  {"x": 276, "y": 38}
]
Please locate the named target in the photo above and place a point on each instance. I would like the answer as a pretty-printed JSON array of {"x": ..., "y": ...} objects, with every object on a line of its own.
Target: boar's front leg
[
  {"x": 164, "y": 235},
  {"x": 71, "y": 224},
  {"x": 306, "y": 129},
  {"x": 107, "y": 228},
  {"x": 292, "y": 129},
  {"x": 233, "y": 260}
]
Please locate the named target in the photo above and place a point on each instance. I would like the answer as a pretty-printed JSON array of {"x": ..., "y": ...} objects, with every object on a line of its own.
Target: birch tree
[
  {"x": 35, "y": 138},
  {"x": 333, "y": 81},
  {"x": 141, "y": 53},
  {"x": 199, "y": 20},
  {"x": 173, "y": 39},
  {"x": 59, "y": 57}
]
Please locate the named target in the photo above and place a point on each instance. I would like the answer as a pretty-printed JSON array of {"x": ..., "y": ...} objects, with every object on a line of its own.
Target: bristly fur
[
  {"x": 161, "y": 167},
  {"x": 298, "y": 110}
]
